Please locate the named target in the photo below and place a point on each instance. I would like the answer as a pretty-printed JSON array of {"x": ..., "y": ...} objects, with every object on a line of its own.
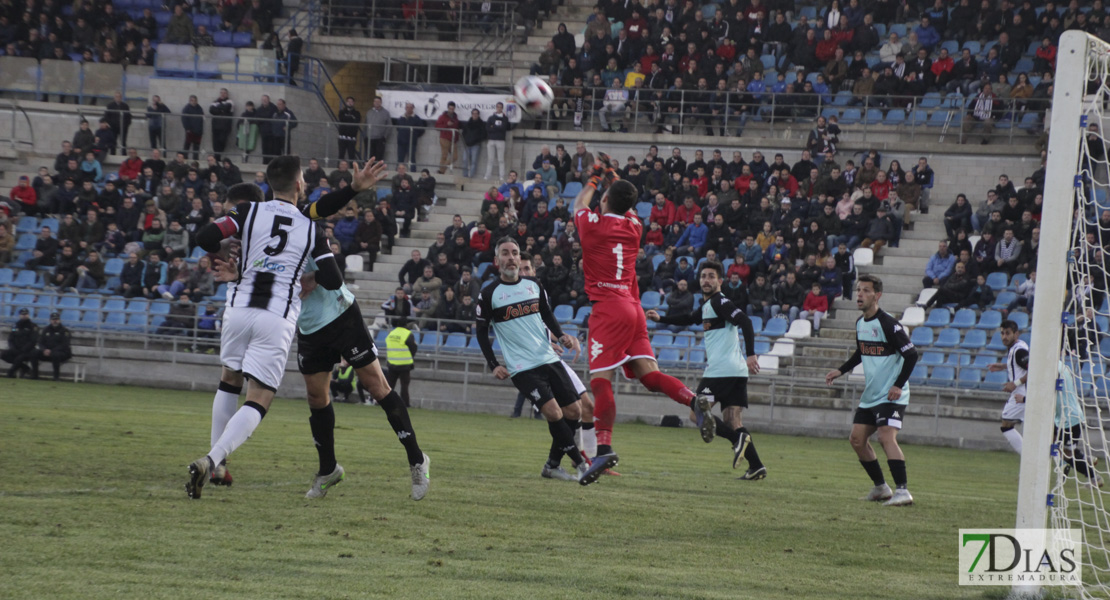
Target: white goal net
[{"x": 1070, "y": 346}]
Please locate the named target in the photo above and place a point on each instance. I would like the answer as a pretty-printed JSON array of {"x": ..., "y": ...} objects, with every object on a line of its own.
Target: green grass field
[{"x": 92, "y": 505}]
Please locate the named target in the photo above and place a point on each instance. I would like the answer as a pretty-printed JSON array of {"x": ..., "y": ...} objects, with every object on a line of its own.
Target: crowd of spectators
[
  {"x": 779, "y": 227},
  {"x": 997, "y": 232},
  {"x": 128, "y": 32},
  {"x": 449, "y": 18},
  {"x": 680, "y": 64}
]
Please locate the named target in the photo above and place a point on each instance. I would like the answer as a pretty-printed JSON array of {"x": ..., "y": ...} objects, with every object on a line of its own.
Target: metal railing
[
  {"x": 381, "y": 18},
  {"x": 16, "y": 140},
  {"x": 688, "y": 112},
  {"x": 406, "y": 69}
]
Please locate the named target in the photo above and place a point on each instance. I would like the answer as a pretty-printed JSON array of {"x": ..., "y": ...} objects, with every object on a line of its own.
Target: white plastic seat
[
  {"x": 800, "y": 329},
  {"x": 782, "y": 347},
  {"x": 913, "y": 316},
  {"x": 863, "y": 257}
]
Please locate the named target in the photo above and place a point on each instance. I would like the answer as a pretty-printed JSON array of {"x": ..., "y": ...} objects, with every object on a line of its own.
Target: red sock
[
  {"x": 605, "y": 410},
  {"x": 657, "y": 381}
]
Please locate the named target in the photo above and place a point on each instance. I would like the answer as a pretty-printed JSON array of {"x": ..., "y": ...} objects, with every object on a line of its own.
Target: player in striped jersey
[
  {"x": 725, "y": 380},
  {"x": 1017, "y": 371},
  {"x": 888, "y": 357},
  {"x": 263, "y": 307}
]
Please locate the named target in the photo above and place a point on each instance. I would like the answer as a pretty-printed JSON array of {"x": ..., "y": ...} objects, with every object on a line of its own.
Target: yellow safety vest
[
  {"x": 346, "y": 375},
  {"x": 397, "y": 350}
]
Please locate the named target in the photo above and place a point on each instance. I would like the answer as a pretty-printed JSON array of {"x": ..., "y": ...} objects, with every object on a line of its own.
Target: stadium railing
[{"x": 378, "y": 18}]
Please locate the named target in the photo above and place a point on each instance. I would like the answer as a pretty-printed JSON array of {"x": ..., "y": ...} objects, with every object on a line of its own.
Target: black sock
[
  {"x": 603, "y": 449},
  {"x": 874, "y": 471},
  {"x": 574, "y": 424},
  {"x": 897, "y": 472},
  {"x": 322, "y": 422},
  {"x": 750, "y": 454},
  {"x": 398, "y": 417},
  {"x": 727, "y": 432},
  {"x": 588, "y": 426},
  {"x": 562, "y": 442}
]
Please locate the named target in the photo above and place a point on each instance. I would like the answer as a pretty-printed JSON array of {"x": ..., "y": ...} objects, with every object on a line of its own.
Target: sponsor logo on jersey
[
  {"x": 520, "y": 309},
  {"x": 265, "y": 264},
  {"x": 595, "y": 349},
  {"x": 873, "y": 349}
]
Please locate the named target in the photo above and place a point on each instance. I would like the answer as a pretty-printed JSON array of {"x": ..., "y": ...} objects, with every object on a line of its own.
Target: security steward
[
  {"x": 400, "y": 347},
  {"x": 53, "y": 347},
  {"x": 21, "y": 344}
]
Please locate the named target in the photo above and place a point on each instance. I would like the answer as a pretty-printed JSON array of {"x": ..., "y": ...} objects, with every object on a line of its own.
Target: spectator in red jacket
[
  {"x": 741, "y": 268},
  {"x": 662, "y": 212},
  {"x": 881, "y": 186},
  {"x": 685, "y": 213},
  {"x": 653, "y": 239},
  {"x": 448, "y": 126},
  {"x": 25, "y": 195},
  {"x": 479, "y": 243},
  {"x": 132, "y": 167},
  {"x": 816, "y": 305}
]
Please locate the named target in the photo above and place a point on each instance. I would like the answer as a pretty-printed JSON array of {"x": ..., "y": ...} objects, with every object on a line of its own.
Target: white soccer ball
[{"x": 533, "y": 95}]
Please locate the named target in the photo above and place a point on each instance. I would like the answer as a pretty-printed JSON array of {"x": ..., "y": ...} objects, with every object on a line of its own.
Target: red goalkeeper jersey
[{"x": 610, "y": 245}]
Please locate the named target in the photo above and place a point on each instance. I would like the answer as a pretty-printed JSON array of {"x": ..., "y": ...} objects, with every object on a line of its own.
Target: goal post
[{"x": 1075, "y": 180}]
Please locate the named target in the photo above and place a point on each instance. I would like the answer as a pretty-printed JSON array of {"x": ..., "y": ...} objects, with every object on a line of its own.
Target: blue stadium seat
[
  {"x": 429, "y": 341},
  {"x": 919, "y": 375},
  {"x": 970, "y": 378},
  {"x": 919, "y": 117},
  {"x": 581, "y": 315},
  {"x": 27, "y": 279},
  {"x": 380, "y": 338},
  {"x": 937, "y": 119},
  {"x": 952, "y": 46},
  {"x": 662, "y": 339},
  {"x": 25, "y": 241},
  {"x": 65, "y": 302},
  {"x": 90, "y": 319},
  {"x": 41, "y": 315},
  {"x": 643, "y": 210},
  {"x": 27, "y": 225},
  {"x": 669, "y": 357},
  {"x": 942, "y": 377},
  {"x": 964, "y": 319},
  {"x": 472, "y": 346},
  {"x": 482, "y": 268},
  {"x": 930, "y": 101},
  {"x": 116, "y": 305},
  {"x": 6, "y": 276},
  {"x": 768, "y": 61},
  {"x": 138, "y": 306},
  {"x": 874, "y": 116},
  {"x": 757, "y": 325},
  {"x": 1003, "y": 300},
  {"x": 241, "y": 39},
  {"x": 938, "y": 317},
  {"x": 564, "y": 313},
  {"x": 762, "y": 346},
  {"x": 696, "y": 356},
  {"x": 894, "y": 117},
  {"x": 113, "y": 267},
  {"x": 1029, "y": 121},
  {"x": 898, "y": 28},
  {"x": 195, "y": 256},
  {"x": 221, "y": 294},
  {"x": 1024, "y": 65},
  {"x": 958, "y": 359},
  {"x": 655, "y": 260},
  {"x": 775, "y": 328},
  {"x": 44, "y": 301},
  {"x": 1016, "y": 280},
  {"x": 455, "y": 342},
  {"x": 983, "y": 360},
  {"x": 842, "y": 98},
  {"x": 115, "y": 320},
  {"x": 829, "y": 112},
  {"x": 990, "y": 319},
  {"x": 995, "y": 380},
  {"x": 1020, "y": 318},
  {"x": 222, "y": 39},
  {"x": 50, "y": 222},
  {"x": 922, "y": 336},
  {"x": 571, "y": 190},
  {"x": 684, "y": 340},
  {"x": 159, "y": 307},
  {"x": 973, "y": 47},
  {"x": 997, "y": 281},
  {"x": 948, "y": 338},
  {"x": 932, "y": 359},
  {"x": 996, "y": 343},
  {"x": 650, "y": 300},
  {"x": 850, "y": 116},
  {"x": 975, "y": 339}
]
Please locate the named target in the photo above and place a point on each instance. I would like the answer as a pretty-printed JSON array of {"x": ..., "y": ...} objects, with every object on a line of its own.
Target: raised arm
[
  {"x": 362, "y": 179},
  {"x": 210, "y": 236}
]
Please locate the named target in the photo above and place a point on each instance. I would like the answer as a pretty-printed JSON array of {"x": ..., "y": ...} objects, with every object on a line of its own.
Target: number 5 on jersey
[{"x": 280, "y": 233}]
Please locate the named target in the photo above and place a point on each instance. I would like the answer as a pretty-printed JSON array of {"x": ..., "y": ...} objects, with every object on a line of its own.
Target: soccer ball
[{"x": 533, "y": 95}]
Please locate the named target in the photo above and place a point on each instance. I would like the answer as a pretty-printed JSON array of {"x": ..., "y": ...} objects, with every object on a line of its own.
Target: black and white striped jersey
[{"x": 277, "y": 240}]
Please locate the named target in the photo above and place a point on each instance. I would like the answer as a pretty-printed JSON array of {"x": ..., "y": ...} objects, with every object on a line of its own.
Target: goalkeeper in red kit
[{"x": 610, "y": 237}]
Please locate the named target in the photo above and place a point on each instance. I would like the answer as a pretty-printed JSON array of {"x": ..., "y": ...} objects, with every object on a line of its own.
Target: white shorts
[
  {"x": 256, "y": 342},
  {"x": 1013, "y": 411},
  {"x": 579, "y": 388}
]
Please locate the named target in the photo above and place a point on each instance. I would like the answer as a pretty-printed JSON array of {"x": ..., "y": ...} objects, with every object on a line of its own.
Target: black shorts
[
  {"x": 726, "y": 391},
  {"x": 345, "y": 337},
  {"x": 545, "y": 382},
  {"x": 887, "y": 414},
  {"x": 1068, "y": 436}
]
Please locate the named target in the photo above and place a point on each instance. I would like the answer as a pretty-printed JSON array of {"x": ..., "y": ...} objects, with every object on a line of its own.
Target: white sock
[
  {"x": 238, "y": 429},
  {"x": 223, "y": 407},
  {"x": 1014, "y": 438},
  {"x": 589, "y": 442}
]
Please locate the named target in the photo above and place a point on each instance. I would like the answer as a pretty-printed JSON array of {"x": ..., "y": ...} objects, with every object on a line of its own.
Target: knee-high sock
[
  {"x": 750, "y": 454},
  {"x": 874, "y": 471},
  {"x": 726, "y": 432},
  {"x": 589, "y": 440},
  {"x": 322, "y": 423},
  {"x": 398, "y": 417},
  {"x": 605, "y": 411},
  {"x": 1014, "y": 438},
  {"x": 562, "y": 442},
  {"x": 897, "y": 472},
  {"x": 223, "y": 407},
  {"x": 658, "y": 381},
  {"x": 238, "y": 429}
]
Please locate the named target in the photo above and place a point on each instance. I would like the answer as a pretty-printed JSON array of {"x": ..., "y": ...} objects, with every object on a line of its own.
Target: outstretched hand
[
  {"x": 225, "y": 271},
  {"x": 369, "y": 175}
]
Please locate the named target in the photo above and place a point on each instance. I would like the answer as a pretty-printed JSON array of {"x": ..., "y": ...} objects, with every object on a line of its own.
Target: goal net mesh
[{"x": 1082, "y": 412}]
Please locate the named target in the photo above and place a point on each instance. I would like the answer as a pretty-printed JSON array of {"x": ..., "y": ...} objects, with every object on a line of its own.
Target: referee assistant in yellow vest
[{"x": 400, "y": 347}]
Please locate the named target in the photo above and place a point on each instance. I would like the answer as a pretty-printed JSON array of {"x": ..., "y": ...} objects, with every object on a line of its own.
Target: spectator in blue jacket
[
  {"x": 409, "y": 129},
  {"x": 346, "y": 230},
  {"x": 778, "y": 249},
  {"x": 692, "y": 242},
  {"x": 752, "y": 253},
  {"x": 154, "y": 275},
  {"x": 940, "y": 265},
  {"x": 927, "y": 35},
  {"x": 192, "y": 119},
  {"x": 510, "y": 183}
]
